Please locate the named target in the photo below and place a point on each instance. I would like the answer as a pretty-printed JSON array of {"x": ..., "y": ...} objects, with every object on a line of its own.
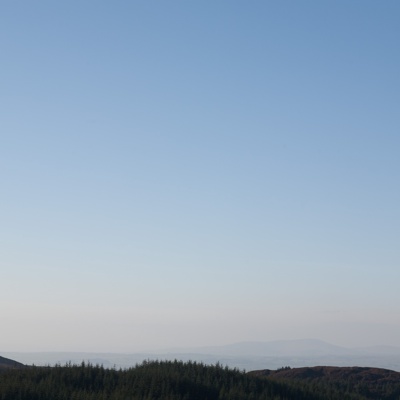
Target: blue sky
[{"x": 196, "y": 173}]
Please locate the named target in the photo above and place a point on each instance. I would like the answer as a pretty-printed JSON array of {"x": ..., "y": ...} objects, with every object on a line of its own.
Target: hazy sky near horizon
[{"x": 181, "y": 173}]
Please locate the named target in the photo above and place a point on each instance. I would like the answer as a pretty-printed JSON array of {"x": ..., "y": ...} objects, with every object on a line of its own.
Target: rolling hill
[
  {"x": 158, "y": 380},
  {"x": 6, "y": 363},
  {"x": 368, "y": 383}
]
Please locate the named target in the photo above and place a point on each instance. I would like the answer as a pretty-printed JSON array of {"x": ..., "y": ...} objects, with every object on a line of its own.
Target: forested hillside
[
  {"x": 176, "y": 380},
  {"x": 150, "y": 380}
]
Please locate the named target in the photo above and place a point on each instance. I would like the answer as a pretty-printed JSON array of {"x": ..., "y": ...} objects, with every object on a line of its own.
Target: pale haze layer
[{"x": 182, "y": 173}]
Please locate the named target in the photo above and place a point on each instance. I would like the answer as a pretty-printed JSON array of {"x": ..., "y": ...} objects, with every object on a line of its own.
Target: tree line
[{"x": 153, "y": 380}]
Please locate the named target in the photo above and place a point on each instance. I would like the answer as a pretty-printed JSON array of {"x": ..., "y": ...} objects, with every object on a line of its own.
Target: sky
[{"x": 192, "y": 173}]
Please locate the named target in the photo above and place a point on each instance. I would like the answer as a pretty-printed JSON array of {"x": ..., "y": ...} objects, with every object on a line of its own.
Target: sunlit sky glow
[{"x": 179, "y": 173}]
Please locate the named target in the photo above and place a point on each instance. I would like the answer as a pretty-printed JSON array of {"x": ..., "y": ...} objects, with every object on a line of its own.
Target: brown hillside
[
  {"x": 373, "y": 383},
  {"x": 364, "y": 374}
]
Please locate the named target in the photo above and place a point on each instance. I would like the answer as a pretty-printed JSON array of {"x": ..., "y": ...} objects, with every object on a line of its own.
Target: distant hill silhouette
[
  {"x": 244, "y": 355},
  {"x": 277, "y": 348},
  {"x": 6, "y": 363}
]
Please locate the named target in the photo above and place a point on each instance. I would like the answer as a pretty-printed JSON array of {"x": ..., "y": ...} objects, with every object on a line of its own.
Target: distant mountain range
[
  {"x": 244, "y": 355},
  {"x": 279, "y": 348}
]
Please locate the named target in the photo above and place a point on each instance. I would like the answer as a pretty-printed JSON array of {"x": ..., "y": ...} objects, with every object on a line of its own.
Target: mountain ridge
[{"x": 295, "y": 347}]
